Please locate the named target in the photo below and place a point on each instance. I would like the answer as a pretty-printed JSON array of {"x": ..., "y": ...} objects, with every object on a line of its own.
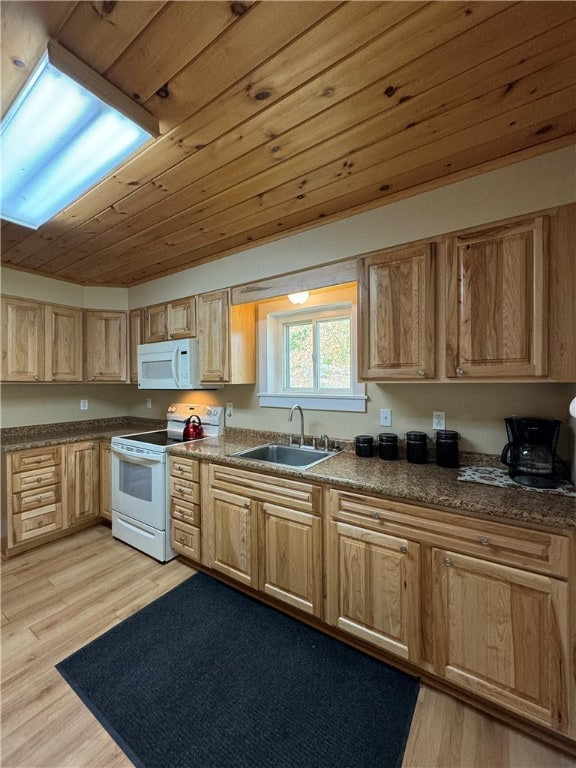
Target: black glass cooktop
[{"x": 154, "y": 438}]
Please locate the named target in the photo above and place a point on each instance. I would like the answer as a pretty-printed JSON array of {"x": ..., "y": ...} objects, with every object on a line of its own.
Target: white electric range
[{"x": 140, "y": 487}]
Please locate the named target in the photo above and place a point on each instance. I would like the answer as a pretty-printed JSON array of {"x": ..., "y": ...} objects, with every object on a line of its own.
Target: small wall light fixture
[
  {"x": 66, "y": 130},
  {"x": 299, "y": 298}
]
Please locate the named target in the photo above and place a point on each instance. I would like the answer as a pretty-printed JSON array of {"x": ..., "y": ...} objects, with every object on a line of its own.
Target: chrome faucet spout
[{"x": 298, "y": 408}]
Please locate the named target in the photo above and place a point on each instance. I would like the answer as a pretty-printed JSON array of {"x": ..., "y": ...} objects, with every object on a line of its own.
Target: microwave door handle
[{"x": 175, "y": 367}]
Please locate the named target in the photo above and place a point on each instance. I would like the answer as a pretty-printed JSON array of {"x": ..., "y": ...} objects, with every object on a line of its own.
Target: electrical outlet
[
  {"x": 148, "y": 402},
  {"x": 229, "y": 409},
  {"x": 385, "y": 417},
  {"x": 83, "y": 405},
  {"x": 438, "y": 420}
]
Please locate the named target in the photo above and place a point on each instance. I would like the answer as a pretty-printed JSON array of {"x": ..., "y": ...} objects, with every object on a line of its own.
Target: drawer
[
  {"x": 186, "y": 539},
  {"x": 276, "y": 490},
  {"x": 185, "y": 511},
  {"x": 36, "y": 458},
  {"x": 183, "y": 488},
  {"x": 37, "y": 497},
  {"x": 35, "y": 523},
  {"x": 500, "y": 542},
  {"x": 36, "y": 478},
  {"x": 189, "y": 468}
]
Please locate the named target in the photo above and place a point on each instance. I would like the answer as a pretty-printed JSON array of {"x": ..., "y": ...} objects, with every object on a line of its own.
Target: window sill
[{"x": 351, "y": 403}]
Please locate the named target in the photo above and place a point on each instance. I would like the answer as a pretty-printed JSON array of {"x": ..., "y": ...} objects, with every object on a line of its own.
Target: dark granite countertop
[
  {"x": 22, "y": 438},
  {"x": 425, "y": 484}
]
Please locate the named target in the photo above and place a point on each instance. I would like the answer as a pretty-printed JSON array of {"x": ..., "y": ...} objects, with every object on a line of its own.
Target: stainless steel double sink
[{"x": 285, "y": 455}]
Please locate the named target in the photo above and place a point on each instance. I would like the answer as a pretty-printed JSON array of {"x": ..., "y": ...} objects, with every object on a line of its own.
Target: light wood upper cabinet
[
  {"x": 175, "y": 320},
  {"x": 396, "y": 296},
  {"x": 502, "y": 633},
  {"x": 227, "y": 339},
  {"x": 496, "y": 301},
  {"x": 182, "y": 318},
  {"x": 22, "y": 340},
  {"x": 106, "y": 346},
  {"x": 135, "y": 337},
  {"x": 63, "y": 343}
]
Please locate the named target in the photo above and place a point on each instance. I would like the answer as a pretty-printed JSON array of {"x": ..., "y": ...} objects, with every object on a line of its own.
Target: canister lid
[
  {"x": 387, "y": 437},
  {"x": 416, "y": 437},
  {"x": 447, "y": 434},
  {"x": 364, "y": 440}
]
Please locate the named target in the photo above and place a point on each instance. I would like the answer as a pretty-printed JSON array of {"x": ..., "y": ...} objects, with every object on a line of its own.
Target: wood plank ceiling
[{"x": 280, "y": 116}]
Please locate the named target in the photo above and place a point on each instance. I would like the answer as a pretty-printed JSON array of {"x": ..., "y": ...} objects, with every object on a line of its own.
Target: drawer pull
[
  {"x": 404, "y": 550},
  {"x": 183, "y": 469},
  {"x": 39, "y": 523},
  {"x": 485, "y": 541},
  {"x": 182, "y": 540},
  {"x": 448, "y": 562},
  {"x": 38, "y": 479},
  {"x": 376, "y": 515}
]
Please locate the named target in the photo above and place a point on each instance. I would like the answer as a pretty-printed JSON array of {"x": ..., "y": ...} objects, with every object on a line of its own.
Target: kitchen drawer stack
[
  {"x": 185, "y": 506},
  {"x": 33, "y": 494}
]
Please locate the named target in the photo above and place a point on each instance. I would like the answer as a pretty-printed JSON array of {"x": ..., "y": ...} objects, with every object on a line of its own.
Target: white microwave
[{"x": 170, "y": 365}]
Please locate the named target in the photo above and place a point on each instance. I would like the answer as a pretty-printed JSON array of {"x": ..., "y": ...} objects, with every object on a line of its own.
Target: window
[{"x": 310, "y": 353}]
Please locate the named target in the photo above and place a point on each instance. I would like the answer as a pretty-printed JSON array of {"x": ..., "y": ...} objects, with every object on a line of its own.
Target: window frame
[{"x": 273, "y": 316}]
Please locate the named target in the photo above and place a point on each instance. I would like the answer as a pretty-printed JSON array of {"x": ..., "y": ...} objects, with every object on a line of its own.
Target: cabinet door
[
  {"x": 106, "y": 346},
  {"x": 501, "y": 632},
  {"x": 396, "y": 295},
  {"x": 63, "y": 333},
  {"x": 496, "y": 302},
  {"x": 22, "y": 340},
  {"x": 373, "y": 588},
  {"x": 291, "y": 557},
  {"x": 155, "y": 323},
  {"x": 234, "y": 537},
  {"x": 135, "y": 333},
  {"x": 105, "y": 481},
  {"x": 82, "y": 482},
  {"x": 182, "y": 318},
  {"x": 213, "y": 335}
]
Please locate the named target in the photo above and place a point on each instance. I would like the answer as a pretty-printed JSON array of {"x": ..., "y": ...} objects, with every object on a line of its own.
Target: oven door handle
[{"x": 132, "y": 459}]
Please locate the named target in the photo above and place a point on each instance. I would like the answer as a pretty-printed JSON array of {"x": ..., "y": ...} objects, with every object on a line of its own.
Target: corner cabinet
[
  {"x": 397, "y": 299},
  {"x": 227, "y": 339},
  {"x": 106, "y": 346},
  {"x": 48, "y": 493},
  {"x": 496, "y": 301},
  {"x": 266, "y": 533}
]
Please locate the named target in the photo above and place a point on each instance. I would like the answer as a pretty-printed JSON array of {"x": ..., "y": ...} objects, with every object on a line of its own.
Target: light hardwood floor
[{"x": 59, "y": 597}]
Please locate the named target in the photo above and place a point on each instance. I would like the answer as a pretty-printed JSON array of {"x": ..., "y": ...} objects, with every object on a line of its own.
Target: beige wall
[{"x": 474, "y": 410}]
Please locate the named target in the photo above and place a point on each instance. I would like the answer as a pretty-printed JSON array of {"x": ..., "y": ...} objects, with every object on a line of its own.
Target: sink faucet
[{"x": 294, "y": 408}]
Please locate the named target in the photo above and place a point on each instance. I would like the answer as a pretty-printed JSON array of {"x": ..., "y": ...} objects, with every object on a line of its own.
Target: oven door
[{"x": 139, "y": 489}]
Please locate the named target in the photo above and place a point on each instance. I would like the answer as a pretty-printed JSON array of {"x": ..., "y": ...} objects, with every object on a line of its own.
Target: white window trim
[{"x": 268, "y": 375}]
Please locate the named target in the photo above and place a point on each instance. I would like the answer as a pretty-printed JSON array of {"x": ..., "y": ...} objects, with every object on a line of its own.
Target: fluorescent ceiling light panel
[{"x": 67, "y": 129}]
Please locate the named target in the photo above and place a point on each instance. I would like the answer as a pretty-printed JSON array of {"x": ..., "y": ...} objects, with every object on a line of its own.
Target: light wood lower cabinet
[
  {"x": 266, "y": 532},
  {"x": 106, "y": 481},
  {"x": 47, "y": 493},
  {"x": 374, "y": 590},
  {"x": 184, "y": 482},
  {"x": 502, "y": 633}
]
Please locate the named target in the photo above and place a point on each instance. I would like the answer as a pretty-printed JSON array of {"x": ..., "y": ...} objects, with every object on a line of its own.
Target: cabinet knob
[
  {"x": 36, "y": 378},
  {"x": 459, "y": 371},
  {"x": 39, "y": 523},
  {"x": 447, "y": 562},
  {"x": 485, "y": 541},
  {"x": 404, "y": 550},
  {"x": 182, "y": 540},
  {"x": 421, "y": 372},
  {"x": 376, "y": 515},
  {"x": 246, "y": 504}
]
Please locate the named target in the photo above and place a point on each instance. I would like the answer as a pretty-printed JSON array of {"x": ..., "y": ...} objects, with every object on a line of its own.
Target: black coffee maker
[{"x": 530, "y": 453}]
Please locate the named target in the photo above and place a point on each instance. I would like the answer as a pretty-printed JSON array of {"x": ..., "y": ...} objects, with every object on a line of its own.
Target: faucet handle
[{"x": 325, "y": 438}]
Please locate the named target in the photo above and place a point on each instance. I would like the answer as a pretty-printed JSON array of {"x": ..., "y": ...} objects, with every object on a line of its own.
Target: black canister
[
  {"x": 388, "y": 446},
  {"x": 417, "y": 447},
  {"x": 447, "y": 448},
  {"x": 364, "y": 445}
]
